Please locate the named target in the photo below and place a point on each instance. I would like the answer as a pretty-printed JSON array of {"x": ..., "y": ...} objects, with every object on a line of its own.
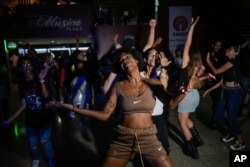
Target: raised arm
[
  {"x": 108, "y": 82},
  {"x": 42, "y": 75},
  {"x": 151, "y": 35},
  {"x": 115, "y": 41},
  {"x": 185, "y": 59}
]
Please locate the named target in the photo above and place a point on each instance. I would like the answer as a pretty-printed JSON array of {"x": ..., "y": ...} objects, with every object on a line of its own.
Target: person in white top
[{"x": 155, "y": 67}]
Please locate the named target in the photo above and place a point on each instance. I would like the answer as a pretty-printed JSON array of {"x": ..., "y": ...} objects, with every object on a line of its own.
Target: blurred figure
[
  {"x": 15, "y": 78},
  {"x": 230, "y": 99},
  {"x": 218, "y": 58},
  {"x": 190, "y": 62},
  {"x": 155, "y": 67},
  {"x": 92, "y": 66},
  {"x": 33, "y": 93},
  {"x": 80, "y": 96},
  {"x": 64, "y": 76}
]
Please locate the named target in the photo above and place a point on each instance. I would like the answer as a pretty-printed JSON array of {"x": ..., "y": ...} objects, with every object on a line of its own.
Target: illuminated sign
[{"x": 11, "y": 45}]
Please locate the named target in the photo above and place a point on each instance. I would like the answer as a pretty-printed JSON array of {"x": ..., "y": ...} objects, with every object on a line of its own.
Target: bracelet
[
  {"x": 184, "y": 89},
  {"x": 42, "y": 81}
]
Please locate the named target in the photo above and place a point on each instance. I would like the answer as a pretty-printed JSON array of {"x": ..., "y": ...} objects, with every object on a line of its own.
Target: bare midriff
[
  {"x": 231, "y": 84},
  {"x": 137, "y": 120}
]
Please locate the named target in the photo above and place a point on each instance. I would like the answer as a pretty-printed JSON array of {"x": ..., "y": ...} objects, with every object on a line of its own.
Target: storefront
[{"x": 51, "y": 28}]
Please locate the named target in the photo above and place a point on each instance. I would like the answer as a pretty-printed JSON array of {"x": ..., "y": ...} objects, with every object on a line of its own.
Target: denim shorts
[
  {"x": 128, "y": 142},
  {"x": 190, "y": 102}
]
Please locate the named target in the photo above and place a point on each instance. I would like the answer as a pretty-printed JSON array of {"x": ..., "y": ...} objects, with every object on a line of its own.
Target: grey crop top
[{"x": 142, "y": 104}]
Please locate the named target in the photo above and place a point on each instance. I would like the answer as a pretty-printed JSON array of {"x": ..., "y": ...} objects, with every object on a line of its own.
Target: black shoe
[
  {"x": 196, "y": 137},
  {"x": 191, "y": 150}
]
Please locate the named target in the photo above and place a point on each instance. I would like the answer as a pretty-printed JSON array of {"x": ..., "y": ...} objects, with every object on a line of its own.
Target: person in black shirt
[
  {"x": 217, "y": 58},
  {"x": 230, "y": 99},
  {"x": 33, "y": 94}
]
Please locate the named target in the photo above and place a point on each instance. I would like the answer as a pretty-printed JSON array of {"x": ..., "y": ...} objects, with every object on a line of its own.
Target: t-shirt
[
  {"x": 233, "y": 73},
  {"x": 36, "y": 115}
]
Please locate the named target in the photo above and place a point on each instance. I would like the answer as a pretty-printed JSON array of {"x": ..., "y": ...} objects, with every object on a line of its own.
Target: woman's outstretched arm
[{"x": 185, "y": 59}]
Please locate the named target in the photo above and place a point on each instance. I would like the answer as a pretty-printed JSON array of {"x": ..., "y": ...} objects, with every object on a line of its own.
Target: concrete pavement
[{"x": 214, "y": 153}]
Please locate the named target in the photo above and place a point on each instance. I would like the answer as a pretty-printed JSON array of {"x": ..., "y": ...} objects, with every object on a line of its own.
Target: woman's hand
[
  {"x": 164, "y": 78},
  {"x": 115, "y": 38},
  {"x": 57, "y": 104},
  {"x": 194, "y": 22},
  {"x": 152, "y": 22},
  {"x": 163, "y": 60},
  {"x": 158, "y": 40},
  {"x": 54, "y": 104},
  {"x": 43, "y": 73},
  {"x": 208, "y": 76},
  {"x": 199, "y": 76},
  {"x": 205, "y": 93}
]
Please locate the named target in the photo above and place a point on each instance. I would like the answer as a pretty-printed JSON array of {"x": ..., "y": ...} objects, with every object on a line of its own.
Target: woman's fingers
[{"x": 200, "y": 71}]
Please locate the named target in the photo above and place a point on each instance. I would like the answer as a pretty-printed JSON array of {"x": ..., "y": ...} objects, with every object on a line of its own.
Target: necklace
[
  {"x": 135, "y": 85},
  {"x": 137, "y": 88}
]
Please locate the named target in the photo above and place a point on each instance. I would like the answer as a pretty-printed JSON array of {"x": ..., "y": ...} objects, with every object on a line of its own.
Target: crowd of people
[{"x": 131, "y": 85}]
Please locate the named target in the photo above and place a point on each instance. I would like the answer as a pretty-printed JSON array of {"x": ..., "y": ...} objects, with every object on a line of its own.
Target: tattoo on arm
[{"x": 110, "y": 106}]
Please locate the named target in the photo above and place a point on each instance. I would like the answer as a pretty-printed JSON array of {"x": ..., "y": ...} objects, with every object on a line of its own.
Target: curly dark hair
[{"x": 134, "y": 52}]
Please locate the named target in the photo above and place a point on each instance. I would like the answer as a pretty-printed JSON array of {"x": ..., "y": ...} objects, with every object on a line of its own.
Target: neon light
[
  {"x": 16, "y": 130},
  {"x": 12, "y": 45},
  {"x": 5, "y": 46}
]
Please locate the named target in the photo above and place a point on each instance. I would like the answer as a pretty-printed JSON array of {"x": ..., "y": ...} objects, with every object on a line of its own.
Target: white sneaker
[
  {"x": 228, "y": 138},
  {"x": 237, "y": 146},
  {"x": 35, "y": 163}
]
